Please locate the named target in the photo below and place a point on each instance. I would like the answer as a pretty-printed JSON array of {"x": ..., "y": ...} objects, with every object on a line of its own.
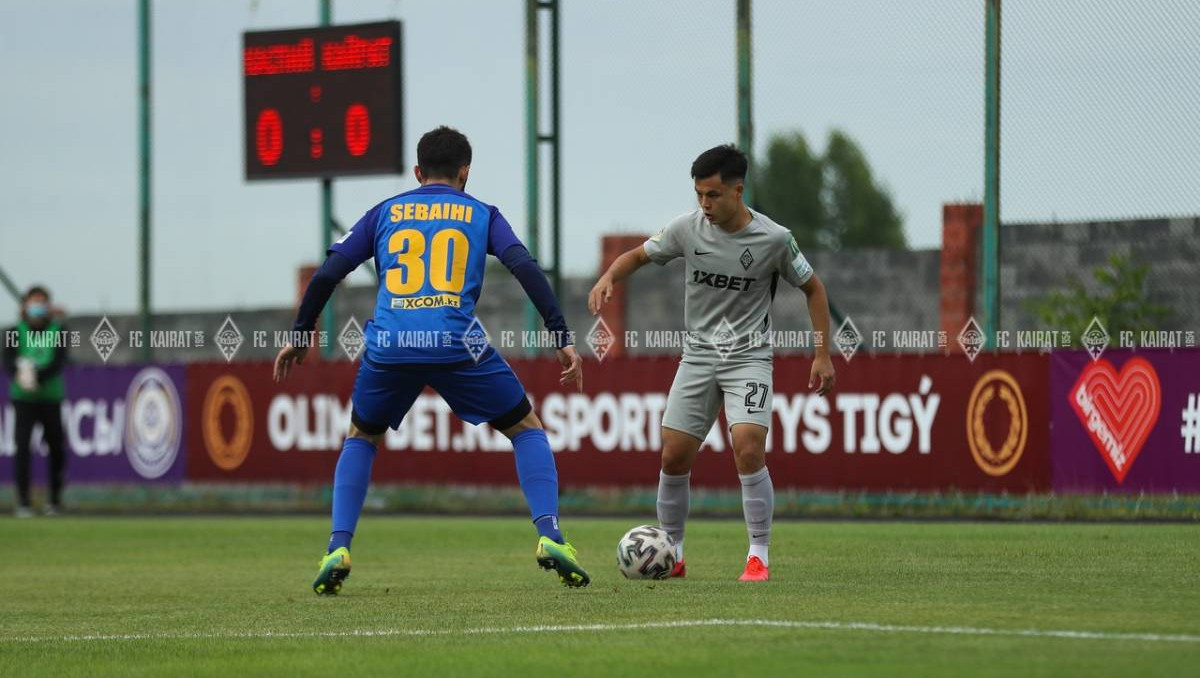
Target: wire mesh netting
[
  {"x": 1095, "y": 129},
  {"x": 1100, "y": 164},
  {"x": 1099, "y": 110},
  {"x": 1099, "y": 152},
  {"x": 1099, "y": 157},
  {"x": 903, "y": 82}
]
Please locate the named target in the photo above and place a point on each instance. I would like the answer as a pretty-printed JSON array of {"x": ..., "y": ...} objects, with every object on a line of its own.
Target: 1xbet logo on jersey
[{"x": 721, "y": 281}]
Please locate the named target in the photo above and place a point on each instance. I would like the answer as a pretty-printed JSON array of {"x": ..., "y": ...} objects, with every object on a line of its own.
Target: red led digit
[
  {"x": 268, "y": 136},
  {"x": 358, "y": 129},
  {"x": 316, "y": 137}
]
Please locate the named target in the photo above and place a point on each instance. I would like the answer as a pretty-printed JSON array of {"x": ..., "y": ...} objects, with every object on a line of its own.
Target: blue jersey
[{"x": 430, "y": 246}]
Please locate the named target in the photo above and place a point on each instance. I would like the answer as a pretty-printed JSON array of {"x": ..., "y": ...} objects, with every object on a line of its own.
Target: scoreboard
[{"x": 323, "y": 102}]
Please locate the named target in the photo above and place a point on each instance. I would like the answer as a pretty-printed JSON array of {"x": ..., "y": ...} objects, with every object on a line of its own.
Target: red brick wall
[{"x": 961, "y": 226}]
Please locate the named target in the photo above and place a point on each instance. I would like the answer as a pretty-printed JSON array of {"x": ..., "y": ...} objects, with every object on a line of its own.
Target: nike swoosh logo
[{"x": 699, "y": 253}]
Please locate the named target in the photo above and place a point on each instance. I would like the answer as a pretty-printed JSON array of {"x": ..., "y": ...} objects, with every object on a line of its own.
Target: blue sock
[
  {"x": 547, "y": 526},
  {"x": 350, "y": 482},
  {"x": 339, "y": 539},
  {"x": 539, "y": 480}
]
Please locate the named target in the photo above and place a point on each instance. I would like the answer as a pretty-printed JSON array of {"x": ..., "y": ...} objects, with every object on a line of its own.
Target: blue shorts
[{"x": 476, "y": 392}]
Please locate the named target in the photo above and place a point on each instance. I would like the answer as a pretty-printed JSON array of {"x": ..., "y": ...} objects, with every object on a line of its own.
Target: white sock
[
  {"x": 674, "y": 498},
  {"x": 679, "y": 550},
  {"x": 758, "y": 505},
  {"x": 759, "y": 550}
]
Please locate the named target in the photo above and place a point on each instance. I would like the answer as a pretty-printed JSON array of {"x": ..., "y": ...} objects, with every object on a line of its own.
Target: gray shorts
[{"x": 701, "y": 387}]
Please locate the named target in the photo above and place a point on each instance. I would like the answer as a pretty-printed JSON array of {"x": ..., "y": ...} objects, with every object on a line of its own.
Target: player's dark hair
[
  {"x": 441, "y": 152},
  {"x": 725, "y": 160},
  {"x": 36, "y": 289}
]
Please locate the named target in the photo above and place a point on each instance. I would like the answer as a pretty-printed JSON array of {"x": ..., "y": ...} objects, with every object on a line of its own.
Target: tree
[
  {"x": 788, "y": 188},
  {"x": 1121, "y": 303},
  {"x": 860, "y": 212},
  {"x": 830, "y": 201}
]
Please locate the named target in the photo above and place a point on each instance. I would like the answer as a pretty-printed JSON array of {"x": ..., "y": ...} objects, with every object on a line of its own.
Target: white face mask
[{"x": 37, "y": 311}]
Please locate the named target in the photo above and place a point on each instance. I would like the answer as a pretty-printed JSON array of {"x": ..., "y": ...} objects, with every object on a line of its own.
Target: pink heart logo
[{"x": 1118, "y": 410}]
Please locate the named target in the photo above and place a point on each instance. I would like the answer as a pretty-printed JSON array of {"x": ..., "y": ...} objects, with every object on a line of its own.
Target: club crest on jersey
[{"x": 747, "y": 259}]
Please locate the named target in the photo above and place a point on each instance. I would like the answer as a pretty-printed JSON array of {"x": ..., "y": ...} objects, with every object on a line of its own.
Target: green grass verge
[
  {"x": 201, "y": 581},
  {"x": 464, "y": 500}
]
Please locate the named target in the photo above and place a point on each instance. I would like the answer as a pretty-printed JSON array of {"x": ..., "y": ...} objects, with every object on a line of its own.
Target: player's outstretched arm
[
  {"x": 289, "y": 355},
  {"x": 527, "y": 272},
  {"x": 622, "y": 268},
  {"x": 822, "y": 376},
  {"x": 316, "y": 295},
  {"x": 572, "y": 364},
  {"x": 507, "y": 247}
]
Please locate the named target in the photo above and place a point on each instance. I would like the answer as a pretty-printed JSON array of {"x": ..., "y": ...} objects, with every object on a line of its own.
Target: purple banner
[
  {"x": 122, "y": 424},
  {"x": 1128, "y": 422}
]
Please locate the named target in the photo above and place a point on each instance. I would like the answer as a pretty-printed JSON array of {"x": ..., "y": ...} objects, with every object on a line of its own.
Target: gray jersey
[{"x": 730, "y": 280}]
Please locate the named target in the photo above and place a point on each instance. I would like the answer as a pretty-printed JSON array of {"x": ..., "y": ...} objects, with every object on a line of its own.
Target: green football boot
[
  {"x": 562, "y": 559},
  {"x": 335, "y": 567}
]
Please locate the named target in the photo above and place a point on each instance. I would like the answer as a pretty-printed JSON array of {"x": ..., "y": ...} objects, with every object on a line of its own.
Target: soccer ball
[{"x": 646, "y": 552}]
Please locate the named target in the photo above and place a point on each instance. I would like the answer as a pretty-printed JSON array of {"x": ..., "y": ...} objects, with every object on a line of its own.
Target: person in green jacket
[{"x": 35, "y": 351}]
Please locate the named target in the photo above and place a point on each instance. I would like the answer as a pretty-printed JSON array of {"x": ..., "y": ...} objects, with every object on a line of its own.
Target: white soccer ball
[{"x": 646, "y": 552}]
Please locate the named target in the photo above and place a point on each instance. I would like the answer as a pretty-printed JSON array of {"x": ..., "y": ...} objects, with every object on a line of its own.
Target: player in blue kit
[{"x": 430, "y": 246}]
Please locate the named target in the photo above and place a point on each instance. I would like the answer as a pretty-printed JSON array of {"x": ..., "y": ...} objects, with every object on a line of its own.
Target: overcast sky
[{"x": 1099, "y": 122}]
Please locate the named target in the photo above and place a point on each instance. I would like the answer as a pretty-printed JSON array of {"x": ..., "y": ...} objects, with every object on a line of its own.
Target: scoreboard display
[{"x": 323, "y": 102}]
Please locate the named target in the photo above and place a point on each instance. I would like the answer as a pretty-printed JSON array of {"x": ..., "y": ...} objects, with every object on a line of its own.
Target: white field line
[{"x": 495, "y": 630}]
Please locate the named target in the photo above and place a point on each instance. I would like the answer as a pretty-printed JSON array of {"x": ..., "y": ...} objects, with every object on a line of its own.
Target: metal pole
[
  {"x": 744, "y": 90},
  {"x": 10, "y": 286},
  {"x": 556, "y": 179},
  {"x": 991, "y": 175},
  {"x": 532, "y": 125},
  {"x": 329, "y": 321},
  {"x": 144, "y": 176}
]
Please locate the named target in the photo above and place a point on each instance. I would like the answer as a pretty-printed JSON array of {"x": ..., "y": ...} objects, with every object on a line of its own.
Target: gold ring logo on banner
[
  {"x": 227, "y": 453},
  {"x": 997, "y": 461}
]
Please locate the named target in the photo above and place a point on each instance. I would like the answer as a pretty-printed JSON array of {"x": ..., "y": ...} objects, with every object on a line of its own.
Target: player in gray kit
[{"x": 734, "y": 259}]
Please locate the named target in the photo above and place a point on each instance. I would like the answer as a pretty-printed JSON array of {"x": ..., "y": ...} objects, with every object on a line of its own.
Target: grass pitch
[{"x": 463, "y": 597}]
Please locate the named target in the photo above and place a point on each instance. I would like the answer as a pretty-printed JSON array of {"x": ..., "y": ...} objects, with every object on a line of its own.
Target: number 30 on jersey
[{"x": 442, "y": 260}]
